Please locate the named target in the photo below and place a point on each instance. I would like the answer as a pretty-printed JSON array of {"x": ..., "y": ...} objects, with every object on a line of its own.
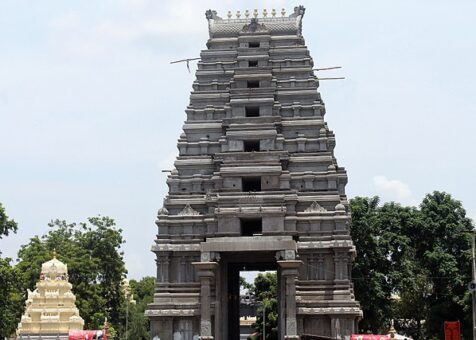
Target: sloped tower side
[{"x": 255, "y": 180}]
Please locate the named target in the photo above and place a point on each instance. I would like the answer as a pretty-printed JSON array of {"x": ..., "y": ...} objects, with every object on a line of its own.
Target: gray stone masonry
[{"x": 255, "y": 185}]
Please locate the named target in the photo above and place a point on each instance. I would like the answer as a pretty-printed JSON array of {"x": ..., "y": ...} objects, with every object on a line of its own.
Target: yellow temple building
[{"x": 50, "y": 308}]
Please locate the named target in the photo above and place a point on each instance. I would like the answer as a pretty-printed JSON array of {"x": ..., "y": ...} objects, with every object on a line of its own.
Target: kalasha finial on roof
[
  {"x": 236, "y": 22},
  {"x": 54, "y": 267},
  {"x": 298, "y": 11}
]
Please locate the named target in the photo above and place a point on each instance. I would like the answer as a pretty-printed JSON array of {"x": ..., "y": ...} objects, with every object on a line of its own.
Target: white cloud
[
  {"x": 3, "y": 97},
  {"x": 394, "y": 190},
  {"x": 134, "y": 25},
  {"x": 135, "y": 20},
  {"x": 68, "y": 20}
]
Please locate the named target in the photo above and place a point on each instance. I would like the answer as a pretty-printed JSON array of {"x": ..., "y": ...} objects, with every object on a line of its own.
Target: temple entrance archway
[
  {"x": 252, "y": 261},
  {"x": 222, "y": 259}
]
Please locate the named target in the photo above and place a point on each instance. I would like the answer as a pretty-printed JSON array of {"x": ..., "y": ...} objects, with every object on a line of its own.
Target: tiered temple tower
[
  {"x": 50, "y": 309},
  {"x": 256, "y": 186}
]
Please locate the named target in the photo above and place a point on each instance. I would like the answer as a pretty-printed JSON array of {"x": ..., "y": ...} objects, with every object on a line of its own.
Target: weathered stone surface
[
  {"x": 248, "y": 243},
  {"x": 256, "y": 185}
]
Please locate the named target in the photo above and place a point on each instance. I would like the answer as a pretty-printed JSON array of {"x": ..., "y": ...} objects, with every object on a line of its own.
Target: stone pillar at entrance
[
  {"x": 289, "y": 274},
  {"x": 206, "y": 273}
]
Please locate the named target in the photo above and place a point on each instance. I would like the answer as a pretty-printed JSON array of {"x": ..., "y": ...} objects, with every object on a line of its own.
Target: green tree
[
  {"x": 384, "y": 257},
  {"x": 419, "y": 256},
  {"x": 410, "y": 309},
  {"x": 138, "y": 324},
  {"x": 11, "y": 298},
  {"x": 92, "y": 251},
  {"x": 444, "y": 249},
  {"x": 245, "y": 285},
  {"x": 265, "y": 289},
  {"x": 143, "y": 293},
  {"x": 6, "y": 224},
  {"x": 370, "y": 267}
]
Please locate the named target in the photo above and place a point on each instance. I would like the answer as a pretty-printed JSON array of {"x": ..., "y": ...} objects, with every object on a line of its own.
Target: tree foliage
[
  {"x": 10, "y": 293},
  {"x": 143, "y": 293},
  {"x": 10, "y": 296},
  {"x": 245, "y": 285},
  {"x": 382, "y": 236},
  {"x": 412, "y": 264},
  {"x": 7, "y": 225},
  {"x": 265, "y": 289},
  {"x": 92, "y": 251}
]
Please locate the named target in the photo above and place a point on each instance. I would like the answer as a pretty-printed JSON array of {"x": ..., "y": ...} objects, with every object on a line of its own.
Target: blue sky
[{"x": 90, "y": 108}]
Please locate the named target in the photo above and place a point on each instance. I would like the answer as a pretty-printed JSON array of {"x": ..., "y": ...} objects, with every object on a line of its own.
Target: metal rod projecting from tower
[
  {"x": 314, "y": 69},
  {"x": 326, "y": 69},
  {"x": 185, "y": 60},
  {"x": 331, "y": 78}
]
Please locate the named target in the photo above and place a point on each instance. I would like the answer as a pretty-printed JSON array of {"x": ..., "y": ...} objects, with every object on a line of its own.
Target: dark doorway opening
[
  {"x": 252, "y": 111},
  {"x": 253, "y": 44},
  {"x": 251, "y": 184},
  {"x": 240, "y": 303},
  {"x": 251, "y": 145},
  {"x": 251, "y": 226},
  {"x": 252, "y": 84},
  {"x": 252, "y": 63}
]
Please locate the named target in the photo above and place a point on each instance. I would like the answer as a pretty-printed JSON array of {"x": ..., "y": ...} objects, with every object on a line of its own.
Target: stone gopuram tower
[{"x": 256, "y": 186}]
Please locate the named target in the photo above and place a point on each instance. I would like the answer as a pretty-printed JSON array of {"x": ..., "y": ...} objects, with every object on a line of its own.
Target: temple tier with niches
[
  {"x": 256, "y": 185},
  {"x": 50, "y": 309}
]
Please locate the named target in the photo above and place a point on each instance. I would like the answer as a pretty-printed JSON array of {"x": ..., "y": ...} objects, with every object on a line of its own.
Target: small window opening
[
  {"x": 251, "y": 184},
  {"x": 253, "y": 44},
  {"x": 252, "y": 63},
  {"x": 251, "y": 226},
  {"x": 252, "y": 111},
  {"x": 252, "y": 84},
  {"x": 251, "y": 145}
]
